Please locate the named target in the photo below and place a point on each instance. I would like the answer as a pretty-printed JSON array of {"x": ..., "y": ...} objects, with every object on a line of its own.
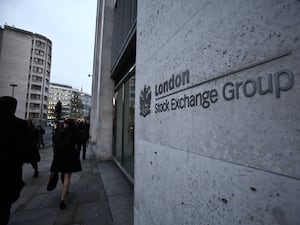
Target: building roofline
[
  {"x": 70, "y": 87},
  {"x": 61, "y": 85},
  {"x": 26, "y": 32}
]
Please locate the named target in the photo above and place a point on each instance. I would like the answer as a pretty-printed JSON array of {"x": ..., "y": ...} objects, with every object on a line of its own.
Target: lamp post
[{"x": 13, "y": 88}]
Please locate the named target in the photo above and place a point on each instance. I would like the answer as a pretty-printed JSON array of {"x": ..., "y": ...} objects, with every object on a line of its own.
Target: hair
[{"x": 8, "y": 105}]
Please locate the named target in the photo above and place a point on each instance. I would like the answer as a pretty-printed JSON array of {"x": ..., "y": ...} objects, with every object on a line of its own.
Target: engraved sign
[
  {"x": 145, "y": 101},
  {"x": 273, "y": 83}
]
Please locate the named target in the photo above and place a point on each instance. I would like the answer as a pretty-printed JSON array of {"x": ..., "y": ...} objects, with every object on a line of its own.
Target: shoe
[
  {"x": 36, "y": 174},
  {"x": 62, "y": 204}
]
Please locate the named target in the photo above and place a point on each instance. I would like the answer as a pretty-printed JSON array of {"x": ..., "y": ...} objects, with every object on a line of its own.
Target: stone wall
[
  {"x": 102, "y": 111},
  {"x": 219, "y": 142}
]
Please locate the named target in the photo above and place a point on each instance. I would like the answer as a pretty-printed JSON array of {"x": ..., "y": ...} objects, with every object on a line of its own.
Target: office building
[
  {"x": 25, "y": 67},
  {"x": 113, "y": 86},
  {"x": 75, "y": 104},
  {"x": 213, "y": 134}
]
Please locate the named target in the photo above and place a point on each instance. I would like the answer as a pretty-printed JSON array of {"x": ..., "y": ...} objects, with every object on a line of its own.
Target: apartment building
[{"x": 25, "y": 68}]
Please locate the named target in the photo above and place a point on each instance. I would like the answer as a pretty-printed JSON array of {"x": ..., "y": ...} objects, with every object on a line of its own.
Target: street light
[
  {"x": 13, "y": 88},
  {"x": 90, "y": 75}
]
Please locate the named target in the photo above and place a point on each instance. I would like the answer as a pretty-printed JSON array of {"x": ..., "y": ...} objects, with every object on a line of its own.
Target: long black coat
[
  {"x": 66, "y": 155},
  {"x": 14, "y": 148},
  {"x": 34, "y": 154}
]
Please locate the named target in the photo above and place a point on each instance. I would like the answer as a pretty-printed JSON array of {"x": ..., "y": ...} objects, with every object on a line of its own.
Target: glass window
[
  {"x": 40, "y": 44},
  {"x": 35, "y": 96},
  {"x": 37, "y": 78},
  {"x": 37, "y": 69},
  {"x": 124, "y": 125},
  {"x": 118, "y": 125},
  {"x": 36, "y": 87},
  {"x": 39, "y": 52},
  {"x": 33, "y": 115},
  {"x": 128, "y": 129},
  {"x": 34, "y": 106},
  {"x": 38, "y": 61}
]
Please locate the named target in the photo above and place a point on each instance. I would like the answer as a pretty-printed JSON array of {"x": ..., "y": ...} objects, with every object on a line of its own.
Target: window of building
[
  {"x": 33, "y": 115},
  {"x": 34, "y": 106},
  {"x": 38, "y": 61},
  {"x": 39, "y": 52},
  {"x": 35, "y": 96},
  {"x": 40, "y": 44},
  {"x": 37, "y": 69},
  {"x": 37, "y": 78},
  {"x": 124, "y": 124},
  {"x": 36, "y": 87}
]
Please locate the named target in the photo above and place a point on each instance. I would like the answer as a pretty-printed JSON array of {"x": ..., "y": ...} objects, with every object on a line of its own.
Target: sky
[{"x": 69, "y": 24}]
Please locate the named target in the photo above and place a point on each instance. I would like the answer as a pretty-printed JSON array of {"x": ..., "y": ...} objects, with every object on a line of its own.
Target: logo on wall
[{"x": 145, "y": 101}]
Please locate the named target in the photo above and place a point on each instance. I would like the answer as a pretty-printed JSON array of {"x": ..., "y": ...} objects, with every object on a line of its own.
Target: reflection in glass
[
  {"x": 124, "y": 125},
  {"x": 118, "y": 130},
  {"x": 128, "y": 147}
]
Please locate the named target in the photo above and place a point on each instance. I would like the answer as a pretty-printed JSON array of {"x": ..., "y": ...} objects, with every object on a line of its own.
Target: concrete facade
[
  {"x": 25, "y": 61},
  {"x": 14, "y": 66},
  {"x": 101, "y": 120},
  {"x": 220, "y": 144}
]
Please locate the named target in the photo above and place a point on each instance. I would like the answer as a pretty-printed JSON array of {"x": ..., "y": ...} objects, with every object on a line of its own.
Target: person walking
[
  {"x": 83, "y": 131},
  {"x": 34, "y": 156},
  {"x": 14, "y": 148},
  {"x": 66, "y": 158},
  {"x": 41, "y": 132}
]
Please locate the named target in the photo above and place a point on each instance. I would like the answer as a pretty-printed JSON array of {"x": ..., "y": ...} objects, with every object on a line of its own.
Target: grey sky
[{"x": 69, "y": 24}]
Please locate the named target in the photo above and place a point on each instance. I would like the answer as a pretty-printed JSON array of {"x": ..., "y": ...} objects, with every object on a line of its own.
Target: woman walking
[{"x": 66, "y": 158}]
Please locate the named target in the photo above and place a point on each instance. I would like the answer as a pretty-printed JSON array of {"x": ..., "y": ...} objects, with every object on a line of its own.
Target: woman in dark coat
[{"x": 66, "y": 158}]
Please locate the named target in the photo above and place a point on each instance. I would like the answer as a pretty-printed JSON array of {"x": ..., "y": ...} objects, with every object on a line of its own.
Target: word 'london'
[{"x": 273, "y": 83}]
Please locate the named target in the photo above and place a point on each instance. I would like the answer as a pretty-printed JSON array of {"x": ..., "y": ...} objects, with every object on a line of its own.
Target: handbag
[{"x": 53, "y": 179}]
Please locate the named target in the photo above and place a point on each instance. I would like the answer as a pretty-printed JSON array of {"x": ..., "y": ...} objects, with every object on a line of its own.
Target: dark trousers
[
  {"x": 83, "y": 147},
  {"x": 4, "y": 212}
]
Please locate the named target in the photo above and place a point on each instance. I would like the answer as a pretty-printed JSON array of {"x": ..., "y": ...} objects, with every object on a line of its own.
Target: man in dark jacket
[
  {"x": 14, "y": 147},
  {"x": 83, "y": 131}
]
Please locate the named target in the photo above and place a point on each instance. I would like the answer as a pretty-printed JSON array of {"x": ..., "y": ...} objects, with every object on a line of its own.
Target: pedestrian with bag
[
  {"x": 66, "y": 158},
  {"x": 14, "y": 148}
]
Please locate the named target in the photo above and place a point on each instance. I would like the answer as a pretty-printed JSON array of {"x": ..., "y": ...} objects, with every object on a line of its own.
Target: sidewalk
[{"x": 99, "y": 195}]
